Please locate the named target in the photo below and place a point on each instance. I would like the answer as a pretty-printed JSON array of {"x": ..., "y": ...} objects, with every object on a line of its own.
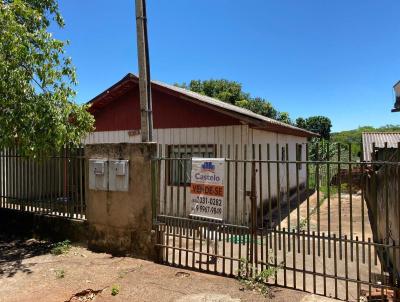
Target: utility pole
[{"x": 146, "y": 114}]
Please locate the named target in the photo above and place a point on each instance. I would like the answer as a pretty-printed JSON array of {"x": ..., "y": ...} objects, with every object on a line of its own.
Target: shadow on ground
[
  {"x": 286, "y": 205},
  {"x": 14, "y": 250}
]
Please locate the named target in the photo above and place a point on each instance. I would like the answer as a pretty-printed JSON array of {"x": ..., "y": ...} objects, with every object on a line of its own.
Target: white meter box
[
  {"x": 98, "y": 174},
  {"x": 118, "y": 175}
]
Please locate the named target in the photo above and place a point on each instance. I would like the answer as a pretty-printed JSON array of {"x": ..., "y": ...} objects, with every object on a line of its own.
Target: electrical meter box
[
  {"x": 98, "y": 174},
  {"x": 118, "y": 178}
]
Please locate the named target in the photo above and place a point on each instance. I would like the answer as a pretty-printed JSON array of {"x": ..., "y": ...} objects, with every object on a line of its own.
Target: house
[{"x": 190, "y": 124}]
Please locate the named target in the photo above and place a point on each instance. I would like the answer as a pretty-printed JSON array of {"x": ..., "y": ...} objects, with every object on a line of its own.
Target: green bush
[{"x": 60, "y": 248}]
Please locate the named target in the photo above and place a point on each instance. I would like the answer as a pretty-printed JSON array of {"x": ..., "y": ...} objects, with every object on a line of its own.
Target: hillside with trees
[{"x": 354, "y": 137}]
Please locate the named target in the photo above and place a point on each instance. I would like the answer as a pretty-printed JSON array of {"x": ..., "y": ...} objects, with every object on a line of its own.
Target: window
[
  {"x": 283, "y": 154},
  {"x": 299, "y": 155},
  {"x": 179, "y": 169}
]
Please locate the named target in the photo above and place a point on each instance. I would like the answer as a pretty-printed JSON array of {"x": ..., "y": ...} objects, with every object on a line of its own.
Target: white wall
[
  {"x": 297, "y": 177},
  {"x": 239, "y": 135}
]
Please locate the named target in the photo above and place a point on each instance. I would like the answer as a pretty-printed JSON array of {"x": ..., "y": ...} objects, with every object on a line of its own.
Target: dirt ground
[
  {"x": 355, "y": 225},
  {"x": 348, "y": 216},
  {"x": 29, "y": 272}
]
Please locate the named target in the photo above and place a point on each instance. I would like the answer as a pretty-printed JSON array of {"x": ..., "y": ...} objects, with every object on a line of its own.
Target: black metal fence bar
[
  {"x": 320, "y": 215},
  {"x": 50, "y": 184},
  {"x": 201, "y": 250}
]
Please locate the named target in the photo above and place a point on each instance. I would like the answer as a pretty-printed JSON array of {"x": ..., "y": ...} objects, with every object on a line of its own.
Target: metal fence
[
  {"x": 304, "y": 215},
  {"x": 51, "y": 185}
]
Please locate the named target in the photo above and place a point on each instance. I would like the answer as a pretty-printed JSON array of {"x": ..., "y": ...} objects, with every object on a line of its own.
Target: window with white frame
[{"x": 180, "y": 164}]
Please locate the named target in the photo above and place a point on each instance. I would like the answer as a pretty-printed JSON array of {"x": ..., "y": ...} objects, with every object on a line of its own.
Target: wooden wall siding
[
  {"x": 223, "y": 136},
  {"x": 205, "y": 135},
  {"x": 285, "y": 184},
  {"x": 103, "y": 137},
  {"x": 220, "y": 136},
  {"x": 274, "y": 139},
  {"x": 169, "y": 111}
]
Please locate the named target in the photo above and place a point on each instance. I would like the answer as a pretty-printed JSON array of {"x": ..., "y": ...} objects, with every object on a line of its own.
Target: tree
[
  {"x": 321, "y": 125},
  {"x": 259, "y": 106},
  {"x": 223, "y": 90},
  {"x": 231, "y": 92},
  {"x": 37, "y": 80},
  {"x": 321, "y": 149},
  {"x": 318, "y": 124},
  {"x": 284, "y": 117},
  {"x": 301, "y": 123}
]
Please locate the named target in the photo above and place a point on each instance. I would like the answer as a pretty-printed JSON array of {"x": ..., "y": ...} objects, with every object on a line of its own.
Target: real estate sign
[{"x": 207, "y": 187}]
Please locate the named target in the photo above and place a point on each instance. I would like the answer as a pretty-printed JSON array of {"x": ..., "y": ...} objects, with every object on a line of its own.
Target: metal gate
[{"x": 326, "y": 221}]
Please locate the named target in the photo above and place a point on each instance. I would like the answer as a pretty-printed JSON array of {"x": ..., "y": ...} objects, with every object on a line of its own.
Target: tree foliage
[
  {"x": 231, "y": 92},
  {"x": 223, "y": 90},
  {"x": 328, "y": 143},
  {"x": 301, "y": 123},
  {"x": 37, "y": 81},
  {"x": 284, "y": 117},
  {"x": 354, "y": 137},
  {"x": 318, "y": 124},
  {"x": 259, "y": 106}
]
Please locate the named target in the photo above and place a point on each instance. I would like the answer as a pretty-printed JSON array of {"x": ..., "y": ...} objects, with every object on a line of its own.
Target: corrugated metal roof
[
  {"x": 214, "y": 103},
  {"x": 379, "y": 138},
  {"x": 230, "y": 107}
]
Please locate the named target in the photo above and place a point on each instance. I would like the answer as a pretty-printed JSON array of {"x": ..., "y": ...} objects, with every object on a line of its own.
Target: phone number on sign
[
  {"x": 208, "y": 201},
  {"x": 208, "y": 209}
]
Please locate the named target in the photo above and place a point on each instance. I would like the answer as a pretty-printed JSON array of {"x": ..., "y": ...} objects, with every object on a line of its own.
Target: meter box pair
[{"x": 108, "y": 175}]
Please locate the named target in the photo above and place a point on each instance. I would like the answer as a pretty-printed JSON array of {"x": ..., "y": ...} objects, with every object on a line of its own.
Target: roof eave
[
  {"x": 126, "y": 78},
  {"x": 254, "y": 122}
]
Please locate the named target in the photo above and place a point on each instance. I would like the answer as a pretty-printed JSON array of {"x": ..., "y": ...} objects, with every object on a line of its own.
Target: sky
[{"x": 307, "y": 57}]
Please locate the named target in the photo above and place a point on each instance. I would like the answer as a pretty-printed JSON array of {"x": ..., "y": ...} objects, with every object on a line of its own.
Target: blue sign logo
[{"x": 208, "y": 167}]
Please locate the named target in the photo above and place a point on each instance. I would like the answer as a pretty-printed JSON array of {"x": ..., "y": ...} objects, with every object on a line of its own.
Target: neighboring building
[
  {"x": 379, "y": 145},
  {"x": 381, "y": 190},
  {"x": 396, "y": 89},
  {"x": 203, "y": 126}
]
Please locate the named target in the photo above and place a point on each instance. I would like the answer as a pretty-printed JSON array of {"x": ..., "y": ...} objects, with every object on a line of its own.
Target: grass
[
  {"x": 253, "y": 279},
  {"x": 115, "y": 290},
  {"x": 324, "y": 192},
  {"x": 302, "y": 224},
  {"x": 60, "y": 274},
  {"x": 60, "y": 248}
]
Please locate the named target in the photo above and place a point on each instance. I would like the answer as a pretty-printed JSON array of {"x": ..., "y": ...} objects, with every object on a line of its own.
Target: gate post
[
  {"x": 159, "y": 229},
  {"x": 120, "y": 222}
]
